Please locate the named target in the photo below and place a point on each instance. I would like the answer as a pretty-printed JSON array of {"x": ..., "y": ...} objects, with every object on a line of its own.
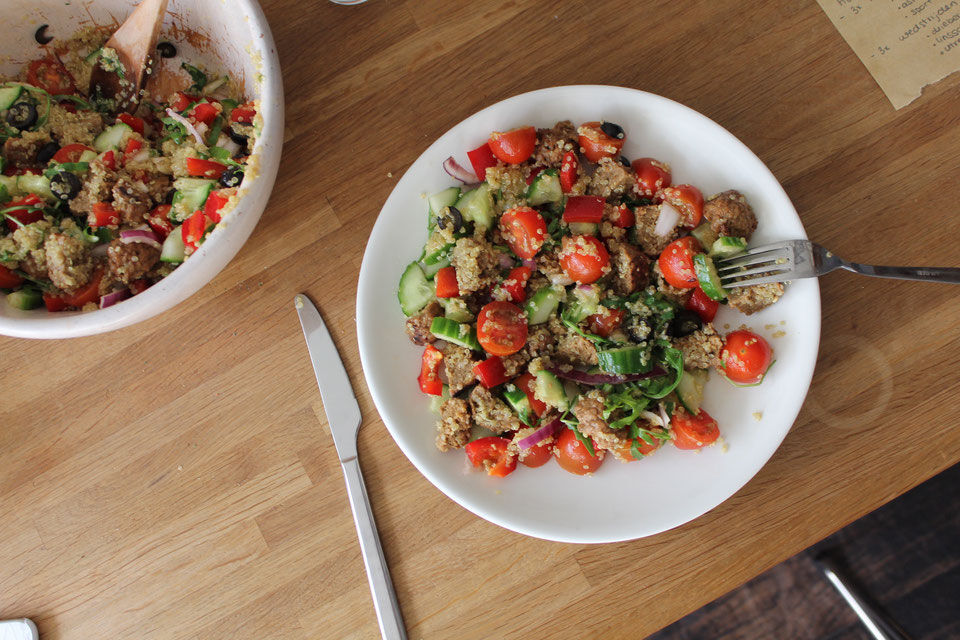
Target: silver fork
[{"x": 796, "y": 259}]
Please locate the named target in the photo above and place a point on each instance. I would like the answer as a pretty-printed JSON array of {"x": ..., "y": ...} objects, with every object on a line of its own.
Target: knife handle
[{"x": 378, "y": 573}]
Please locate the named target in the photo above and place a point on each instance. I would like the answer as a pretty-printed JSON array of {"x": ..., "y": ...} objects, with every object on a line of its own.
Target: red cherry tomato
[
  {"x": 50, "y": 75},
  {"x": 135, "y": 123},
  {"x": 574, "y": 457},
  {"x": 515, "y": 146},
  {"x": 491, "y": 454},
  {"x": 583, "y": 258},
  {"x": 524, "y": 230},
  {"x": 623, "y": 217},
  {"x": 745, "y": 357},
  {"x": 652, "y": 176},
  {"x": 645, "y": 448},
  {"x": 693, "y": 432},
  {"x": 537, "y": 455},
  {"x": 703, "y": 305},
  {"x": 596, "y": 144},
  {"x": 676, "y": 262},
  {"x": 9, "y": 279},
  {"x": 688, "y": 201},
  {"x": 568, "y": 171},
  {"x": 605, "y": 323},
  {"x": 159, "y": 220},
  {"x": 84, "y": 295},
  {"x": 516, "y": 283},
  {"x": 501, "y": 328},
  {"x": 526, "y": 384},
  {"x": 70, "y": 153},
  {"x": 32, "y": 211}
]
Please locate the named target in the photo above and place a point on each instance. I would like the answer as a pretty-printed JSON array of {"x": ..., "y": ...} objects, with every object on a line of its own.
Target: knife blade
[{"x": 343, "y": 417}]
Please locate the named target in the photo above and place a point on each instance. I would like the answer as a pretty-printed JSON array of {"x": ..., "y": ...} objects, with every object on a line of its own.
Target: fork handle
[
  {"x": 930, "y": 274},
  {"x": 378, "y": 573}
]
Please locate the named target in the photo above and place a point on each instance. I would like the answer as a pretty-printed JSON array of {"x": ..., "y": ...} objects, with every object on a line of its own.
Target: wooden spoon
[{"x": 135, "y": 43}]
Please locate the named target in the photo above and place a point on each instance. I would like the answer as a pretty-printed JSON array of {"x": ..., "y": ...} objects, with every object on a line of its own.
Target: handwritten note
[{"x": 905, "y": 44}]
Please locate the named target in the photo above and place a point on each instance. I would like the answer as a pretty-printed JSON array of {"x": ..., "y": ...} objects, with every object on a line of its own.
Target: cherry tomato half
[
  {"x": 50, "y": 75},
  {"x": 501, "y": 328},
  {"x": 645, "y": 448},
  {"x": 688, "y": 201},
  {"x": 652, "y": 176},
  {"x": 606, "y": 322},
  {"x": 596, "y": 144},
  {"x": 524, "y": 230},
  {"x": 514, "y": 146},
  {"x": 491, "y": 454},
  {"x": 693, "y": 432},
  {"x": 574, "y": 457},
  {"x": 745, "y": 357},
  {"x": 703, "y": 305},
  {"x": 538, "y": 455},
  {"x": 584, "y": 258},
  {"x": 525, "y": 383},
  {"x": 70, "y": 153},
  {"x": 676, "y": 262}
]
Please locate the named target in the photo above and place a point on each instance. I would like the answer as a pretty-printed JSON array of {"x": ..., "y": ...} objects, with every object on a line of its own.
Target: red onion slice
[
  {"x": 140, "y": 235},
  {"x": 667, "y": 220},
  {"x": 186, "y": 123},
  {"x": 664, "y": 416},
  {"x": 530, "y": 263},
  {"x": 453, "y": 168},
  {"x": 548, "y": 430},
  {"x": 605, "y": 378},
  {"x": 506, "y": 262},
  {"x": 113, "y": 298}
]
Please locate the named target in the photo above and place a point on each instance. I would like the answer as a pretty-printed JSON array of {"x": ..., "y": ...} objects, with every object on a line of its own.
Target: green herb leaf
[{"x": 199, "y": 77}]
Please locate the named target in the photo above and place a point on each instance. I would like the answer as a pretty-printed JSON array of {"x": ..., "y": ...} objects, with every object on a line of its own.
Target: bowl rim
[
  {"x": 223, "y": 243},
  {"x": 366, "y": 290}
]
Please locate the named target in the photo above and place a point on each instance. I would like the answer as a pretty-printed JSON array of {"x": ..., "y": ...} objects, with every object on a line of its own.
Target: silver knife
[{"x": 343, "y": 416}]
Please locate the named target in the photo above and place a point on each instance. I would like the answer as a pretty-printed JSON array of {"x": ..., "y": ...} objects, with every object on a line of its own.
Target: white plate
[{"x": 620, "y": 501}]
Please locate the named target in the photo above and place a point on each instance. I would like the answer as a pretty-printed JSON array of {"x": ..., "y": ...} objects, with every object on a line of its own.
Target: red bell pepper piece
[
  {"x": 201, "y": 168},
  {"x": 215, "y": 202},
  {"x": 109, "y": 159},
  {"x": 86, "y": 294},
  {"x": 446, "y": 281},
  {"x": 482, "y": 158},
  {"x": 9, "y": 279},
  {"x": 31, "y": 212},
  {"x": 243, "y": 113},
  {"x": 205, "y": 112},
  {"x": 182, "y": 101},
  {"x": 139, "y": 286},
  {"x": 525, "y": 383},
  {"x": 491, "y": 453},
  {"x": 583, "y": 209},
  {"x": 533, "y": 174},
  {"x": 133, "y": 146},
  {"x": 135, "y": 123},
  {"x": 192, "y": 231},
  {"x": 429, "y": 378},
  {"x": 701, "y": 304},
  {"x": 104, "y": 215},
  {"x": 159, "y": 220},
  {"x": 623, "y": 217},
  {"x": 490, "y": 372},
  {"x": 516, "y": 283},
  {"x": 568, "y": 171}
]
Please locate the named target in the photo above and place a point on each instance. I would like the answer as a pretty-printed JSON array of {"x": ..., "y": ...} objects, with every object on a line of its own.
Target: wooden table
[{"x": 177, "y": 479}]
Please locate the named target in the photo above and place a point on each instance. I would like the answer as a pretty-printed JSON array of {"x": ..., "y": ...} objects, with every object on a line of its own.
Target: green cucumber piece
[
  {"x": 477, "y": 206},
  {"x": 9, "y": 184},
  {"x": 519, "y": 402},
  {"x": 439, "y": 200},
  {"x": 441, "y": 254},
  {"x": 414, "y": 291},
  {"x": 581, "y": 303},
  {"x": 436, "y": 402},
  {"x": 36, "y": 184},
  {"x": 583, "y": 228},
  {"x": 708, "y": 277},
  {"x": 190, "y": 196},
  {"x": 430, "y": 270},
  {"x": 727, "y": 247},
  {"x": 173, "y": 249},
  {"x": 74, "y": 167},
  {"x": 548, "y": 389},
  {"x": 455, "y": 332},
  {"x": 690, "y": 389},
  {"x": 624, "y": 360},
  {"x": 87, "y": 156},
  {"x": 9, "y": 95},
  {"x": 542, "y": 305},
  {"x": 25, "y": 299},
  {"x": 705, "y": 235},
  {"x": 544, "y": 188},
  {"x": 112, "y": 137},
  {"x": 456, "y": 309}
]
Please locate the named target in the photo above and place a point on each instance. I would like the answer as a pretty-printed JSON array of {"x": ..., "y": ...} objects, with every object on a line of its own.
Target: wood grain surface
[{"x": 176, "y": 479}]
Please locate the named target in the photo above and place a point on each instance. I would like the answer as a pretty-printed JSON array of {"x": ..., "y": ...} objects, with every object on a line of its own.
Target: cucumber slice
[
  {"x": 436, "y": 402},
  {"x": 190, "y": 196},
  {"x": 74, "y": 167},
  {"x": 544, "y": 188},
  {"x": 9, "y": 95},
  {"x": 430, "y": 270},
  {"x": 548, "y": 389},
  {"x": 441, "y": 199},
  {"x": 112, "y": 137},
  {"x": 441, "y": 254},
  {"x": 519, "y": 402},
  {"x": 624, "y": 360},
  {"x": 727, "y": 247},
  {"x": 705, "y": 235},
  {"x": 690, "y": 389},
  {"x": 173, "y": 249},
  {"x": 456, "y": 309},
  {"x": 477, "y": 206},
  {"x": 583, "y": 228},
  {"x": 25, "y": 299},
  {"x": 581, "y": 303},
  {"x": 542, "y": 304},
  {"x": 9, "y": 184},
  {"x": 414, "y": 291},
  {"x": 87, "y": 156},
  {"x": 452, "y": 331},
  {"x": 708, "y": 277},
  {"x": 36, "y": 184}
]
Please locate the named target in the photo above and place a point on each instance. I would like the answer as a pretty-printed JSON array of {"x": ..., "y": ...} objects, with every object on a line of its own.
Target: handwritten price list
[{"x": 905, "y": 44}]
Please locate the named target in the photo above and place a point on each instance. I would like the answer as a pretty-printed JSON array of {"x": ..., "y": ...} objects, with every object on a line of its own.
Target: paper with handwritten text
[{"x": 905, "y": 44}]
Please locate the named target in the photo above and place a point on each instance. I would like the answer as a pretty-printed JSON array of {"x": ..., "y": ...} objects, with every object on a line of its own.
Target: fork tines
[{"x": 770, "y": 262}]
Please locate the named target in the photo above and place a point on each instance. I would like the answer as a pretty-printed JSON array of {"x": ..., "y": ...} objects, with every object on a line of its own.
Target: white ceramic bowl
[
  {"x": 226, "y": 34},
  {"x": 620, "y": 501}
]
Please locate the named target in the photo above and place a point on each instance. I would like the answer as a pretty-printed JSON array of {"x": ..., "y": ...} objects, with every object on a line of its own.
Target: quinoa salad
[
  {"x": 98, "y": 203},
  {"x": 564, "y": 299}
]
